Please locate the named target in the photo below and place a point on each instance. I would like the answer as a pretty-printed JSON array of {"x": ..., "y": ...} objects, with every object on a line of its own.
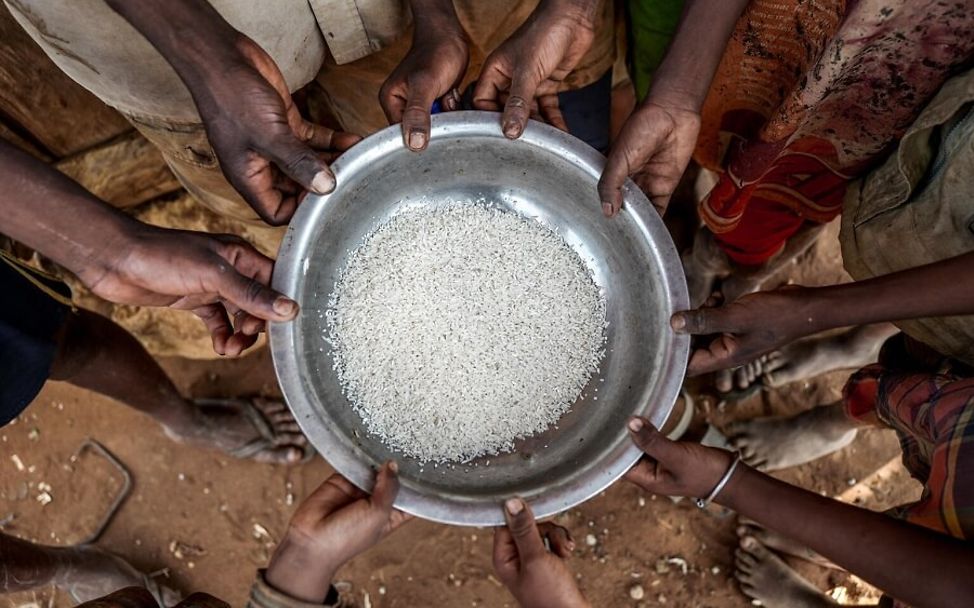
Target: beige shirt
[
  {"x": 98, "y": 49},
  {"x": 918, "y": 208}
]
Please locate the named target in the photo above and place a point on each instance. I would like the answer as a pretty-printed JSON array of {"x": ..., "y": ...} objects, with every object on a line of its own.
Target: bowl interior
[{"x": 548, "y": 176}]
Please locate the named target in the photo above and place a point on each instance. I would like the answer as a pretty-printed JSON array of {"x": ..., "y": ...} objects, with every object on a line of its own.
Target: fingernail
[
  {"x": 678, "y": 322},
  {"x": 450, "y": 102},
  {"x": 512, "y": 130},
  {"x": 285, "y": 307},
  {"x": 323, "y": 183},
  {"x": 747, "y": 542},
  {"x": 417, "y": 140},
  {"x": 571, "y": 545},
  {"x": 514, "y": 506},
  {"x": 394, "y": 467},
  {"x": 635, "y": 425},
  {"x": 607, "y": 209}
]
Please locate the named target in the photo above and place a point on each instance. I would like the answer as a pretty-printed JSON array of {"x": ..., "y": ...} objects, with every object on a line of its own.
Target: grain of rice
[{"x": 458, "y": 329}]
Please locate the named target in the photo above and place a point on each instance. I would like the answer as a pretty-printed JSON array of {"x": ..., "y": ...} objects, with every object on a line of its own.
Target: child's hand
[
  {"x": 749, "y": 327},
  {"x": 674, "y": 468},
  {"x": 535, "y": 576},
  {"x": 333, "y": 525}
]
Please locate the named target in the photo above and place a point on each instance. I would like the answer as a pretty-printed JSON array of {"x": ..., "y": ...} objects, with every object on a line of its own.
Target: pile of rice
[{"x": 458, "y": 329}]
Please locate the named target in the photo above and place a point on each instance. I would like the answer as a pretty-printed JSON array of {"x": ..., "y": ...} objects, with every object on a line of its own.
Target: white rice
[{"x": 458, "y": 329}]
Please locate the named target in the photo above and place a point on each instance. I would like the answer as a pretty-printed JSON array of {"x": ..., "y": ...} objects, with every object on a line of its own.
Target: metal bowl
[{"x": 545, "y": 174}]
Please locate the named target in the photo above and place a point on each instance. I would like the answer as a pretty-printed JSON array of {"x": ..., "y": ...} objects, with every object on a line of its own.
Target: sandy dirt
[{"x": 207, "y": 521}]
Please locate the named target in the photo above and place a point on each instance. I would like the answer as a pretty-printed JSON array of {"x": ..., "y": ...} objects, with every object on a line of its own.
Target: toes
[
  {"x": 291, "y": 439},
  {"x": 270, "y": 407},
  {"x": 280, "y": 455},
  {"x": 740, "y": 377},
  {"x": 724, "y": 381},
  {"x": 744, "y": 560},
  {"x": 281, "y": 418},
  {"x": 753, "y": 547}
]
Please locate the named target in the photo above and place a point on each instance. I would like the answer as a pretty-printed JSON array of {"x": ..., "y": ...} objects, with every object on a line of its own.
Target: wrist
[
  {"x": 113, "y": 241},
  {"x": 735, "y": 491},
  {"x": 299, "y": 572},
  {"x": 436, "y": 20}
]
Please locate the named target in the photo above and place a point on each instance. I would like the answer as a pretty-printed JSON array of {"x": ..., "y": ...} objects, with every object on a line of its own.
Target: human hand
[
  {"x": 267, "y": 151},
  {"x": 333, "y": 525},
  {"x": 535, "y": 576},
  {"x": 674, "y": 468},
  {"x": 217, "y": 277},
  {"x": 654, "y": 147},
  {"x": 432, "y": 69},
  {"x": 531, "y": 64},
  {"x": 750, "y": 326}
]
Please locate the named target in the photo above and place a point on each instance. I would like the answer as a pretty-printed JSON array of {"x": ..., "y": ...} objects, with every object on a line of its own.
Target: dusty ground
[{"x": 207, "y": 522}]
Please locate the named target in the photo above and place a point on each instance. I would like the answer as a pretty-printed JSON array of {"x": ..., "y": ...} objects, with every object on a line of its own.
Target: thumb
[
  {"x": 653, "y": 443},
  {"x": 416, "y": 116},
  {"x": 700, "y": 321},
  {"x": 517, "y": 110},
  {"x": 386, "y": 487},
  {"x": 613, "y": 178},
  {"x": 523, "y": 528},
  {"x": 299, "y": 162},
  {"x": 253, "y": 296}
]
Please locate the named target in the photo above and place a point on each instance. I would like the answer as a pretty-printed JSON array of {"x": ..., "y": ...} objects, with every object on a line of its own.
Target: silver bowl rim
[{"x": 288, "y": 273}]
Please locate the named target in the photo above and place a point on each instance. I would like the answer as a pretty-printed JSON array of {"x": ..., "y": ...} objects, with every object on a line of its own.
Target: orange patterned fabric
[{"x": 809, "y": 95}]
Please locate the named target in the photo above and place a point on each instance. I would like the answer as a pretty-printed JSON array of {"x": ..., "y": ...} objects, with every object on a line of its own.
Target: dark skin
[
  {"x": 535, "y": 576},
  {"x": 914, "y": 564},
  {"x": 339, "y": 521},
  {"x": 267, "y": 151},
  {"x": 433, "y": 69},
  {"x": 217, "y": 277},
  {"x": 523, "y": 74},
  {"x": 655, "y": 144},
  {"x": 743, "y": 330}
]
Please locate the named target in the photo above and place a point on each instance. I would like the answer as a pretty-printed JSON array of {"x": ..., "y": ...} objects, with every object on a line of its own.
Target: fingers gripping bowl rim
[{"x": 545, "y": 174}]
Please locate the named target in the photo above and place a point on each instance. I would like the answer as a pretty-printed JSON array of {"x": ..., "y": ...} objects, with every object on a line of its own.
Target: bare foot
[
  {"x": 248, "y": 427},
  {"x": 812, "y": 357},
  {"x": 741, "y": 378},
  {"x": 86, "y": 573},
  {"x": 780, "y": 442},
  {"x": 764, "y": 577},
  {"x": 704, "y": 265},
  {"x": 779, "y": 543}
]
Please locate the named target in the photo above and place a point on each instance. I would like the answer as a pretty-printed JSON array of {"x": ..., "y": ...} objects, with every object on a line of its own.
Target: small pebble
[
  {"x": 636, "y": 592},
  {"x": 590, "y": 540}
]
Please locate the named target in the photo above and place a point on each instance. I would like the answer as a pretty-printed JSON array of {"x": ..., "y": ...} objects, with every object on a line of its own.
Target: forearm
[
  {"x": 435, "y": 16},
  {"x": 192, "y": 36},
  {"x": 940, "y": 289},
  {"x": 52, "y": 214},
  {"x": 684, "y": 76},
  {"x": 873, "y": 546}
]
